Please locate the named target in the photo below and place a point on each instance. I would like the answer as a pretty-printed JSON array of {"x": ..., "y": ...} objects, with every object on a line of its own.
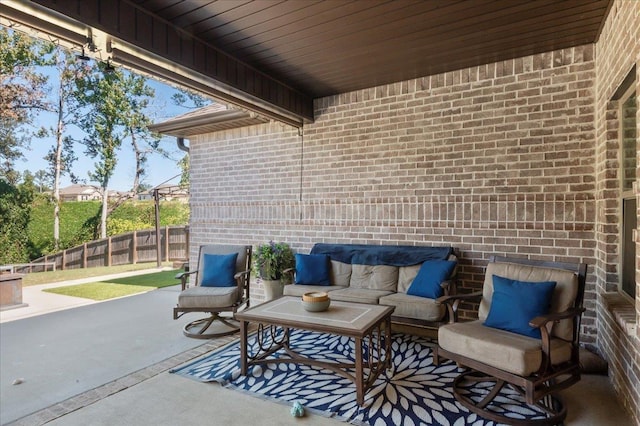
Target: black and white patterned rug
[{"x": 413, "y": 392}]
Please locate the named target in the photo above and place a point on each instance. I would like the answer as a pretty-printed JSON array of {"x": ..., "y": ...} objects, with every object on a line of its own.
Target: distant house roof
[
  {"x": 78, "y": 189},
  {"x": 211, "y": 118}
]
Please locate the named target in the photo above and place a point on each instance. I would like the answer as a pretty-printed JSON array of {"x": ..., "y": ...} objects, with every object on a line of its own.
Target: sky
[{"x": 158, "y": 169}]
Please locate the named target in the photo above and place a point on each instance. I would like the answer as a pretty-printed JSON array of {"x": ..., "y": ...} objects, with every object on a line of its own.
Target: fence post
[
  {"x": 166, "y": 243},
  {"x": 108, "y": 251},
  {"x": 64, "y": 259},
  {"x": 84, "y": 255},
  {"x": 186, "y": 249},
  {"x": 134, "y": 247}
]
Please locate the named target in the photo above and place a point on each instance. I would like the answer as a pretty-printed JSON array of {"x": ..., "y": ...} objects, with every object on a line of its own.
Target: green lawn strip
[
  {"x": 36, "y": 278},
  {"x": 99, "y": 290},
  {"x": 118, "y": 287},
  {"x": 156, "y": 279}
]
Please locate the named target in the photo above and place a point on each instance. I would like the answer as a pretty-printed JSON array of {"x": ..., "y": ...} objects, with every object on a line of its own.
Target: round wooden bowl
[
  {"x": 316, "y": 301},
  {"x": 315, "y": 296}
]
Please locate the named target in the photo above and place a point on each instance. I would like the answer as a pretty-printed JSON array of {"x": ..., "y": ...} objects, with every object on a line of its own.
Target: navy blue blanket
[{"x": 366, "y": 254}]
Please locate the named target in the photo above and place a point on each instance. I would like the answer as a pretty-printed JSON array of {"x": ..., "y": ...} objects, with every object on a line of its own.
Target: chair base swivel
[
  {"x": 207, "y": 328},
  {"x": 551, "y": 406}
]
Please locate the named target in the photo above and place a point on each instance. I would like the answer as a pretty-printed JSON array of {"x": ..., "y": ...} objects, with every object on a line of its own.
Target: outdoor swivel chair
[
  {"x": 527, "y": 337},
  {"x": 219, "y": 284}
]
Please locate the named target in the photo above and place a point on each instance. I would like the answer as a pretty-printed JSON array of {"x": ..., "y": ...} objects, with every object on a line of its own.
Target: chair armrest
[
  {"x": 447, "y": 286},
  {"x": 453, "y": 301},
  {"x": 240, "y": 274},
  {"x": 290, "y": 273},
  {"x": 182, "y": 276},
  {"x": 541, "y": 320},
  {"x": 452, "y": 298}
]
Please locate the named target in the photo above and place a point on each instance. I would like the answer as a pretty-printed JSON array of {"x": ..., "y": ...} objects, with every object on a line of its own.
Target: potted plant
[{"x": 269, "y": 262}]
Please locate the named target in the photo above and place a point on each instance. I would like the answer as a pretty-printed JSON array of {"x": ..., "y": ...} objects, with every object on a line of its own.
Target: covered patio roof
[{"x": 275, "y": 57}]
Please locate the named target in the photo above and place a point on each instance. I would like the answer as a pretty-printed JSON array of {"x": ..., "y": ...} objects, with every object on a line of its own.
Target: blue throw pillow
[
  {"x": 430, "y": 276},
  {"x": 218, "y": 270},
  {"x": 515, "y": 303},
  {"x": 312, "y": 269}
]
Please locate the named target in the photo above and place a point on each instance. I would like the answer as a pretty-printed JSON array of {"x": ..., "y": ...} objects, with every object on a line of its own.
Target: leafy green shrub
[
  {"x": 120, "y": 226},
  {"x": 15, "y": 209},
  {"x": 77, "y": 225},
  {"x": 79, "y": 221}
]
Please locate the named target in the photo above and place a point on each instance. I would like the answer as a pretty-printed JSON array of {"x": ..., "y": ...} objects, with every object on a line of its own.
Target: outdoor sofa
[{"x": 407, "y": 277}]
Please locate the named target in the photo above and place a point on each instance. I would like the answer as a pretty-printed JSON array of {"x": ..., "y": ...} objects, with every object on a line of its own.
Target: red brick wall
[
  {"x": 496, "y": 159},
  {"x": 617, "y": 50}
]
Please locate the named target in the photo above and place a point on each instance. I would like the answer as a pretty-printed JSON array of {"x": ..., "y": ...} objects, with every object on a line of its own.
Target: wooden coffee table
[{"x": 368, "y": 325}]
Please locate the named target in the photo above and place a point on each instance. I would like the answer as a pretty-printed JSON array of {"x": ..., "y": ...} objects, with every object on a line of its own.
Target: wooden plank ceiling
[
  {"x": 326, "y": 47},
  {"x": 276, "y": 56}
]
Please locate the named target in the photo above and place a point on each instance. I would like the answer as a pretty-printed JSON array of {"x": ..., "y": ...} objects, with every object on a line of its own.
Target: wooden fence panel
[
  {"x": 178, "y": 240},
  {"x": 146, "y": 245},
  {"x": 96, "y": 254},
  {"x": 73, "y": 258},
  {"x": 130, "y": 247},
  {"x": 121, "y": 249}
]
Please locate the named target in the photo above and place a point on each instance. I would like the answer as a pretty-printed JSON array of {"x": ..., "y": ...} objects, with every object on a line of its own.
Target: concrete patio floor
[{"x": 107, "y": 363}]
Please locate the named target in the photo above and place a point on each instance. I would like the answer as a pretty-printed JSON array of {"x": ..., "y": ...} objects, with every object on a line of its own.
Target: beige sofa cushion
[
  {"x": 420, "y": 308},
  {"x": 300, "y": 289},
  {"x": 563, "y": 296},
  {"x": 208, "y": 297},
  {"x": 358, "y": 295},
  {"x": 507, "y": 351},
  {"x": 374, "y": 277},
  {"x": 406, "y": 275},
  {"x": 340, "y": 273}
]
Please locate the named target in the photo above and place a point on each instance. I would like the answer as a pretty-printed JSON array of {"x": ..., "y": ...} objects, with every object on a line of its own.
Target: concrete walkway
[
  {"x": 40, "y": 302},
  {"x": 85, "y": 363},
  {"x": 60, "y": 346}
]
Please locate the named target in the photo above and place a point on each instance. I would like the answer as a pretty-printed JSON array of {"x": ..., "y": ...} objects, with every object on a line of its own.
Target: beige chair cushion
[
  {"x": 563, "y": 296},
  {"x": 374, "y": 277},
  {"x": 340, "y": 273},
  {"x": 507, "y": 351},
  {"x": 300, "y": 289},
  {"x": 358, "y": 295},
  {"x": 208, "y": 297},
  {"x": 222, "y": 250},
  {"x": 416, "y": 307}
]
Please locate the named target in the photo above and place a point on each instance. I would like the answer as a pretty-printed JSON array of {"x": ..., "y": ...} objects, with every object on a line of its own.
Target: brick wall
[
  {"x": 496, "y": 159},
  {"x": 618, "y": 49}
]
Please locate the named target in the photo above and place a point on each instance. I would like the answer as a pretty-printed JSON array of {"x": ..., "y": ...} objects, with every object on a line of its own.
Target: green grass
[
  {"x": 156, "y": 279},
  {"x": 99, "y": 290},
  {"x": 36, "y": 278},
  {"x": 118, "y": 287}
]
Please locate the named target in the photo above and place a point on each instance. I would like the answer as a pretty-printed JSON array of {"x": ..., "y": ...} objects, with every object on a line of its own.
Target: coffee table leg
[
  {"x": 243, "y": 348},
  {"x": 359, "y": 372},
  {"x": 387, "y": 342}
]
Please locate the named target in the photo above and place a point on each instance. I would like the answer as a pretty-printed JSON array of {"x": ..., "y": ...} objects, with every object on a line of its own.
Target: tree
[
  {"x": 21, "y": 94},
  {"x": 136, "y": 123},
  {"x": 112, "y": 104},
  {"x": 185, "y": 167},
  {"x": 62, "y": 155},
  {"x": 42, "y": 181},
  {"x": 189, "y": 100}
]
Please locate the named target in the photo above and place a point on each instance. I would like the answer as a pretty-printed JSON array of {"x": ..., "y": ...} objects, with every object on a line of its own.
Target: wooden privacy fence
[{"x": 132, "y": 247}]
